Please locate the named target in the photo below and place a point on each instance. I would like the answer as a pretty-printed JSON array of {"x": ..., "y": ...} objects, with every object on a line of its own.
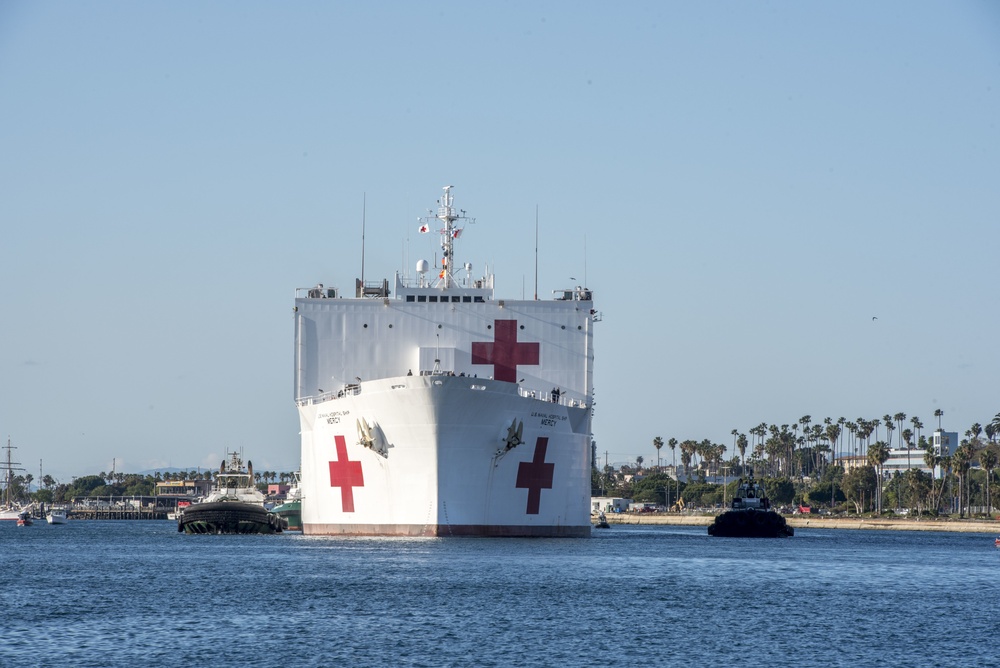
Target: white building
[
  {"x": 608, "y": 504},
  {"x": 943, "y": 444}
]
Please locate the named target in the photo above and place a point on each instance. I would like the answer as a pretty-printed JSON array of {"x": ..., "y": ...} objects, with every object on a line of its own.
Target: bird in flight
[{"x": 874, "y": 317}]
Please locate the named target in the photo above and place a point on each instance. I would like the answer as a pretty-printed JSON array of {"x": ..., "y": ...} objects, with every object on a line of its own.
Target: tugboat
[
  {"x": 291, "y": 509},
  {"x": 233, "y": 506},
  {"x": 751, "y": 515}
]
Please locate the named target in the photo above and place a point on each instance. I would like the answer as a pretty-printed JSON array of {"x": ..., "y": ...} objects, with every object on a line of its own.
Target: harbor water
[{"x": 130, "y": 593}]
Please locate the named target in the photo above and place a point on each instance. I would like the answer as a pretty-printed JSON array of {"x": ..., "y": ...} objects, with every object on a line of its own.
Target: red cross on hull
[
  {"x": 506, "y": 352},
  {"x": 535, "y": 476},
  {"x": 346, "y": 475}
]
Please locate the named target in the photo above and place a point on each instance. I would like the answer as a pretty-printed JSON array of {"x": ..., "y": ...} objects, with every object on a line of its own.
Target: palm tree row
[
  {"x": 804, "y": 448},
  {"x": 260, "y": 477}
]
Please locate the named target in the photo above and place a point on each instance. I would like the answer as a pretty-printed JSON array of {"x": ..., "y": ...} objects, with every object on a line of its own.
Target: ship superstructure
[{"x": 432, "y": 408}]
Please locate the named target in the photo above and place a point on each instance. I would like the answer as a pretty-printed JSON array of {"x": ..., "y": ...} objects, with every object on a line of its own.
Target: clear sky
[{"x": 745, "y": 186}]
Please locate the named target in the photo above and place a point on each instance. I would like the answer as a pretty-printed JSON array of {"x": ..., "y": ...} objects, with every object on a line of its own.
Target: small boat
[
  {"x": 291, "y": 508},
  {"x": 602, "y": 521},
  {"x": 10, "y": 513},
  {"x": 24, "y": 519},
  {"x": 234, "y": 505},
  {"x": 751, "y": 515},
  {"x": 997, "y": 542},
  {"x": 57, "y": 516}
]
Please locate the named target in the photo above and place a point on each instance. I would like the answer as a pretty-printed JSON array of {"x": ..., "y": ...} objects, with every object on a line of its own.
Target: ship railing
[
  {"x": 351, "y": 389},
  {"x": 316, "y": 292},
  {"x": 551, "y": 397},
  {"x": 574, "y": 294}
]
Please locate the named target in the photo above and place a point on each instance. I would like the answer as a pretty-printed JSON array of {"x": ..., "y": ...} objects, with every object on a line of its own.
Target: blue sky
[{"x": 743, "y": 185}]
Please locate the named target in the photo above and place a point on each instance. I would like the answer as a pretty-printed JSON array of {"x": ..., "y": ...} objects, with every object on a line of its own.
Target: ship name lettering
[{"x": 333, "y": 417}]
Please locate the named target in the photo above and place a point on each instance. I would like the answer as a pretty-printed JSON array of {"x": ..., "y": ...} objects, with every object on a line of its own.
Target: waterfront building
[
  {"x": 943, "y": 443},
  {"x": 609, "y": 504},
  {"x": 184, "y": 489}
]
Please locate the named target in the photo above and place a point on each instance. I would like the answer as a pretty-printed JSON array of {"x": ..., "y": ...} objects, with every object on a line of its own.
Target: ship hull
[
  {"x": 228, "y": 517},
  {"x": 750, "y": 524},
  {"x": 292, "y": 514},
  {"x": 439, "y": 461}
]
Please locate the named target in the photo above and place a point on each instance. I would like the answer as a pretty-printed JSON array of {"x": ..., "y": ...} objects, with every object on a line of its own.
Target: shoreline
[{"x": 819, "y": 522}]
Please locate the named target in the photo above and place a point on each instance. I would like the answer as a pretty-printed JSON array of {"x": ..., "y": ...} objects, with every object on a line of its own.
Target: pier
[{"x": 118, "y": 513}]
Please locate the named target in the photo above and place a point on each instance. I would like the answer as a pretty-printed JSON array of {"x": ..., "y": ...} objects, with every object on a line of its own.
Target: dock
[{"x": 118, "y": 513}]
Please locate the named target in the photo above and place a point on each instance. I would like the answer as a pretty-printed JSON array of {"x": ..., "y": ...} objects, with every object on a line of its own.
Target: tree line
[
  {"x": 117, "y": 483},
  {"x": 838, "y": 464}
]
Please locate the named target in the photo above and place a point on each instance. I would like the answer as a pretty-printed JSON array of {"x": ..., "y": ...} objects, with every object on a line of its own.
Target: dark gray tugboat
[
  {"x": 751, "y": 515},
  {"x": 235, "y": 505}
]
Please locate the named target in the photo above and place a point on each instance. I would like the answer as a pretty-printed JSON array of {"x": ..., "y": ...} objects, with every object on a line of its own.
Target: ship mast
[
  {"x": 10, "y": 467},
  {"x": 448, "y": 216}
]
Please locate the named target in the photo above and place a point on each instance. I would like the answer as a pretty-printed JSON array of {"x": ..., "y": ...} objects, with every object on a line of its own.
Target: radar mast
[{"x": 449, "y": 234}]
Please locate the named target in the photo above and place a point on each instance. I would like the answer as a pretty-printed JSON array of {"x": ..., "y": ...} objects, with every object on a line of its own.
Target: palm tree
[
  {"x": 938, "y": 413},
  {"x": 741, "y": 443},
  {"x": 960, "y": 461},
  {"x": 804, "y": 421},
  {"x": 832, "y": 434},
  {"x": 932, "y": 461},
  {"x": 657, "y": 443},
  {"x": 988, "y": 460},
  {"x": 688, "y": 448},
  {"x": 899, "y": 417},
  {"x": 673, "y": 457},
  {"x": 917, "y": 426},
  {"x": 878, "y": 454},
  {"x": 946, "y": 464}
]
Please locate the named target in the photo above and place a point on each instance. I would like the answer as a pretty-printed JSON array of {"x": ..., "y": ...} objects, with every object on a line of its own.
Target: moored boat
[
  {"x": 10, "y": 511},
  {"x": 291, "y": 508},
  {"x": 234, "y": 505},
  {"x": 24, "y": 519},
  {"x": 57, "y": 516},
  {"x": 750, "y": 515}
]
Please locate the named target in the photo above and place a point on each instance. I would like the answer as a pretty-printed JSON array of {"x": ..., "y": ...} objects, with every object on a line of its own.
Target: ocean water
[{"x": 140, "y": 594}]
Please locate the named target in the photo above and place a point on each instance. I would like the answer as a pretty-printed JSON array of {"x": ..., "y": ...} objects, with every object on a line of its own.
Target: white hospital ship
[{"x": 430, "y": 408}]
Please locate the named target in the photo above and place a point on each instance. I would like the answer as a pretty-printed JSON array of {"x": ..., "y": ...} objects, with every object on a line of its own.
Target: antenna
[
  {"x": 364, "y": 211},
  {"x": 536, "y": 252}
]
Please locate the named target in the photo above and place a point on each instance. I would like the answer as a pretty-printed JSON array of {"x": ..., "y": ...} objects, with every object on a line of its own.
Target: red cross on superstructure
[
  {"x": 505, "y": 353},
  {"x": 535, "y": 475},
  {"x": 346, "y": 475}
]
